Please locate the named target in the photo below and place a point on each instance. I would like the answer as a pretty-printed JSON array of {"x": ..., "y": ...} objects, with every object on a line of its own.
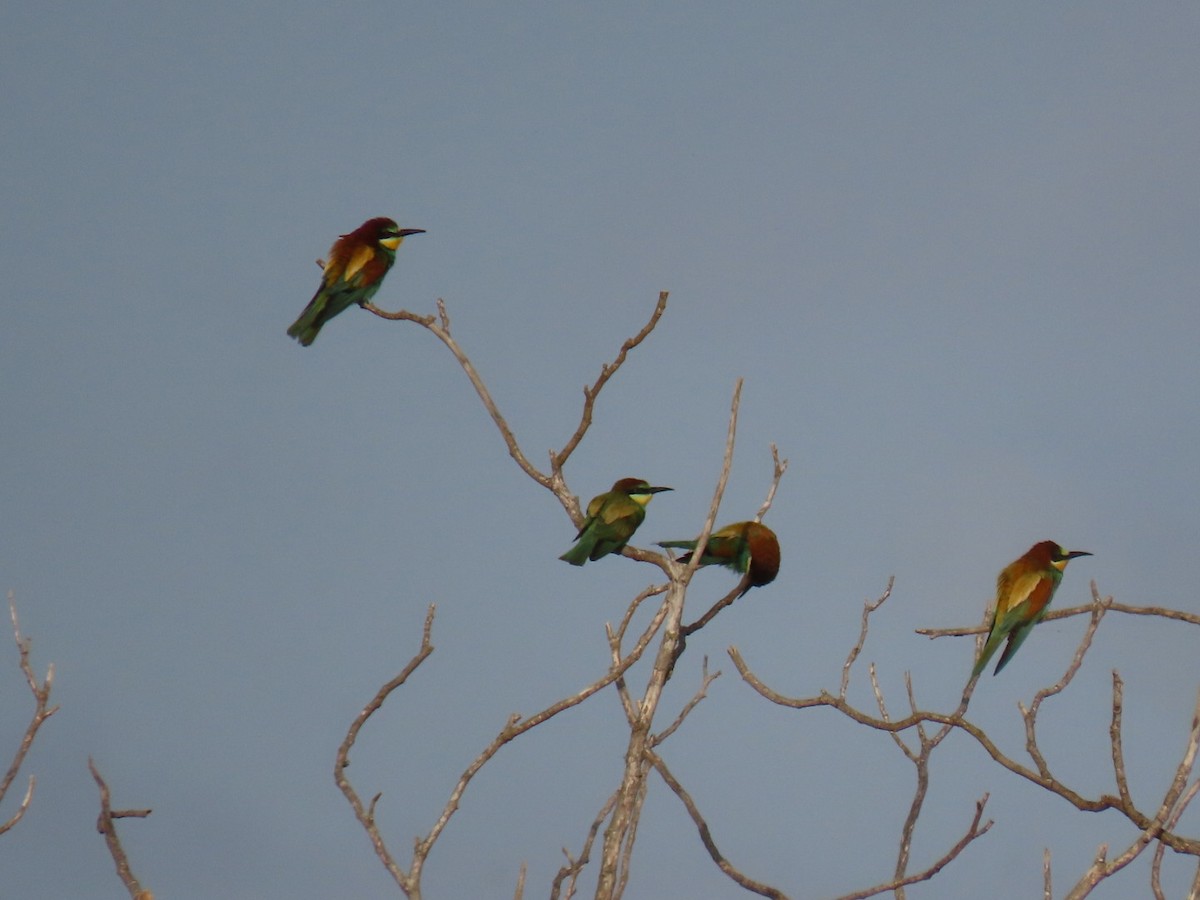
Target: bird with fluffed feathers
[
  {"x": 749, "y": 548},
  {"x": 357, "y": 263}
]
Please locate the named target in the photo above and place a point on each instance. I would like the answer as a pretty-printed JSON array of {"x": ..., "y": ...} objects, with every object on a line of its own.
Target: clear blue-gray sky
[{"x": 953, "y": 249}]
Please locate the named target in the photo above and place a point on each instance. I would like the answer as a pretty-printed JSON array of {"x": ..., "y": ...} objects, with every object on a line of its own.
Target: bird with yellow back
[
  {"x": 355, "y": 269},
  {"x": 1024, "y": 590}
]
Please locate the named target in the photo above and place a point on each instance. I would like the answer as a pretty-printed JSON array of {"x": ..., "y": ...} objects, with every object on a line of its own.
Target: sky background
[{"x": 953, "y": 249}]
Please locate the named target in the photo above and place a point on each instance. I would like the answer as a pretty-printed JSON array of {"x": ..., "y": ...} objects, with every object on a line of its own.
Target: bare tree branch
[
  {"x": 974, "y": 830},
  {"x": 868, "y": 608},
  {"x": 439, "y": 326},
  {"x": 559, "y": 458},
  {"x": 41, "y": 712},
  {"x": 928, "y": 743},
  {"x": 705, "y": 680},
  {"x": 1115, "y": 740},
  {"x": 779, "y": 466},
  {"x": 366, "y": 816},
  {"x": 1160, "y": 611},
  {"x": 570, "y": 872},
  {"x": 104, "y": 824},
  {"x": 1174, "y": 802},
  {"x": 1041, "y": 775},
  {"x": 618, "y": 836},
  {"x": 520, "y": 892},
  {"x": 706, "y": 838},
  {"x": 1160, "y": 847}
]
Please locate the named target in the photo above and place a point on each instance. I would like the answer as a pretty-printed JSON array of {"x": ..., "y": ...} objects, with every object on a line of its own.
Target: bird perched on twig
[
  {"x": 355, "y": 269},
  {"x": 750, "y": 548},
  {"x": 612, "y": 518},
  {"x": 1024, "y": 590}
]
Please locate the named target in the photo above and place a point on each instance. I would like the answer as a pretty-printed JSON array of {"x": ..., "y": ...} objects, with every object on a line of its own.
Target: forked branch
[
  {"x": 42, "y": 710},
  {"x": 105, "y": 824}
]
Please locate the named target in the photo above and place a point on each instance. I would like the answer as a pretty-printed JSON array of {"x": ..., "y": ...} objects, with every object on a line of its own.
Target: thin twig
[
  {"x": 104, "y": 824},
  {"x": 618, "y": 836},
  {"x": 1068, "y": 612},
  {"x": 520, "y": 892},
  {"x": 705, "y": 680},
  {"x": 570, "y": 872},
  {"x": 41, "y": 712},
  {"x": 706, "y": 838},
  {"x": 1160, "y": 849},
  {"x": 440, "y": 328},
  {"x": 743, "y": 585},
  {"x": 974, "y": 830},
  {"x": 780, "y": 466},
  {"x": 869, "y": 606},
  {"x": 408, "y": 883},
  {"x": 1099, "y": 607},
  {"x": 960, "y": 722},
  {"x": 559, "y": 458},
  {"x": 514, "y": 728},
  {"x": 1115, "y": 739}
]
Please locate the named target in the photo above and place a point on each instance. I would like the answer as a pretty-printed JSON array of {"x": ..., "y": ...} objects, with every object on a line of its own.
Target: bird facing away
[
  {"x": 357, "y": 263},
  {"x": 612, "y": 518},
  {"x": 750, "y": 548},
  {"x": 1024, "y": 590}
]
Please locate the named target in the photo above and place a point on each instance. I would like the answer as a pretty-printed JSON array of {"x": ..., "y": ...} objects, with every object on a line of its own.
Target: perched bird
[
  {"x": 1024, "y": 590},
  {"x": 747, "y": 547},
  {"x": 612, "y": 518},
  {"x": 357, "y": 263}
]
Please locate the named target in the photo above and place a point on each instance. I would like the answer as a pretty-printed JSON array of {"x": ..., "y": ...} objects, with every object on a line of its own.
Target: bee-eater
[
  {"x": 357, "y": 263},
  {"x": 612, "y": 518},
  {"x": 1024, "y": 590},
  {"x": 747, "y": 547}
]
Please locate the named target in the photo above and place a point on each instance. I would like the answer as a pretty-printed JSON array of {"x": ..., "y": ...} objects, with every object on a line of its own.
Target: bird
[
  {"x": 1024, "y": 590},
  {"x": 747, "y": 547},
  {"x": 612, "y": 518},
  {"x": 357, "y": 263}
]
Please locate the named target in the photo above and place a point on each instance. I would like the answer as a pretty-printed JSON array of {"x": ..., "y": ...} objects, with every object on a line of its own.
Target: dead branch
[
  {"x": 619, "y": 835},
  {"x": 1099, "y": 607},
  {"x": 779, "y": 467},
  {"x": 1174, "y": 802},
  {"x": 520, "y": 892},
  {"x": 439, "y": 326},
  {"x": 927, "y": 742},
  {"x": 868, "y": 608},
  {"x": 1040, "y": 775},
  {"x": 517, "y": 726},
  {"x": 42, "y": 710},
  {"x": 1160, "y": 848},
  {"x": 559, "y": 458},
  {"x": 974, "y": 830},
  {"x": 1161, "y": 612},
  {"x": 706, "y": 838},
  {"x": 570, "y": 872},
  {"x": 366, "y": 816},
  {"x": 705, "y": 680},
  {"x": 104, "y": 824}
]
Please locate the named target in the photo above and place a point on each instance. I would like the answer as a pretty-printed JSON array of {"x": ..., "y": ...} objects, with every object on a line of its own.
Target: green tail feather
[
  {"x": 579, "y": 554},
  {"x": 306, "y": 328}
]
